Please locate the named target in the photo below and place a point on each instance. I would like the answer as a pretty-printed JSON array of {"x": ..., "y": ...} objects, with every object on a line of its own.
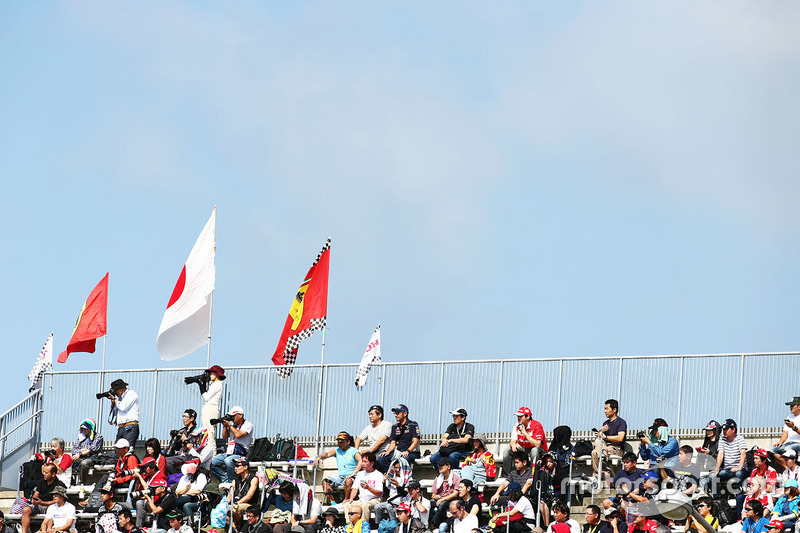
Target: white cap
[
  {"x": 236, "y": 410},
  {"x": 122, "y": 443}
]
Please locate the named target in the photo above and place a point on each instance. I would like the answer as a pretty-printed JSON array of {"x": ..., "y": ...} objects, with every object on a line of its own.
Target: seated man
[
  {"x": 443, "y": 491},
  {"x": 375, "y": 437},
  {"x": 528, "y": 436},
  {"x": 766, "y": 474},
  {"x": 562, "y": 523},
  {"x": 199, "y": 449},
  {"x": 455, "y": 442},
  {"x": 176, "y": 524},
  {"x": 88, "y": 446},
  {"x": 147, "y": 474},
  {"x": 348, "y": 461},
  {"x": 625, "y": 480},
  {"x": 253, "y": 522},
  {"x": 60, "y": 516},
  {"x": 594, "y": 524},
  {"x": 404, "y": 440},
  {"x": 790, "y": 438},
  {"x": 463, "y": 521},
  {"x": 306, "y": 512},
  {"x": 658, "y": 446},
  {"x": 239, "y": 434},
  {"x": 408, "y": 524},
  {"x": 521, "y": 473},
  {"x": 42, "y": 495},
  {"x": 126, "y": 522},
  {"x": 419, "y": 504},
  {"x": 126, "y": 462},
  {"x": 176, "y": 452},
  {"x": 703, "y": 507},
  {"x": 108, "y": 515},
  {"x": 395, "y": 482},
  {"x": 639, "y": 498},
  {"x": 730, "y": 462},
  {"x": 367, "y": 488},
  {"x": 63, "y": 461},
  {"x": 281, "y": 501},
  {"x": 160, "y": 504},
  {"x": 683, "y": 474},
  {"x": 245, "y": 490},
  {"x": 641, "y": 524}
]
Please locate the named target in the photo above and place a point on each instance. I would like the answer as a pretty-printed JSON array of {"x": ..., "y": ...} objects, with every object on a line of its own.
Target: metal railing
[
  {"x": 686, "y": 390},
  {"x": 19, "y": 436}
]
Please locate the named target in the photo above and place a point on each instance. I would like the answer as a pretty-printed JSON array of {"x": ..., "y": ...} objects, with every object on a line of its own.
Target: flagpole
[
  {"x": 319, "y": 390},
  {"x": 102, "y": 374},
  {"x": 210, "y": 309}
]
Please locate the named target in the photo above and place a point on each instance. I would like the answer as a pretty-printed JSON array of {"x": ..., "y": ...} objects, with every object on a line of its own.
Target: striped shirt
[{"x": 732, "y": 451}]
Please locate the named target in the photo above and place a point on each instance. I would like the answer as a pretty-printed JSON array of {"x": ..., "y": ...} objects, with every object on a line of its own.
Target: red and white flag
[
  {"x": 43, "y": 363},
  {"x": 186, "y": 325},
  {"x": 372, "y": 356}
]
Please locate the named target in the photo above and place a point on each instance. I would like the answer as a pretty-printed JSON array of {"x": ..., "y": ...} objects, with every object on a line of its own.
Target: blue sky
[{"x": 499, "y": 179}]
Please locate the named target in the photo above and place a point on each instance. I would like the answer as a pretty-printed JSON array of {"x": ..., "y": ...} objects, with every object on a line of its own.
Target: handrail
[
  {"x": 28, "y": 397},
  {"x": 37, "y": 413}
]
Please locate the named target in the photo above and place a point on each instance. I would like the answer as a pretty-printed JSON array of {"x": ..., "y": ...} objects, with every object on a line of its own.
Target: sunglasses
[
  {"x": 351, "y": 514},
  {"x": 748, "y": 509},
  {"x": 701, "y": 505}
]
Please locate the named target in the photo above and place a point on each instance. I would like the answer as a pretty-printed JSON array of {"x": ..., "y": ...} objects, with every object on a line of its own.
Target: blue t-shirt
[
  {"x": 346, "y": 460},
  {"x": 752, "y": 526}
]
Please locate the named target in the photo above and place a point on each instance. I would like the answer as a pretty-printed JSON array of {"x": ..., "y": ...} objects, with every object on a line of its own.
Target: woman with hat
[
  {"x": 211, "y": 399},
  {"x": 479, "y": 465}
]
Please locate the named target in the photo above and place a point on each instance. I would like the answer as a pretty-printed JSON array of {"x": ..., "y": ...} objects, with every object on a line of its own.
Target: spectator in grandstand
[
  {"x": 786, "y": 508},
  {"x": 774, "y": 526},
  {"x": 408, "y": 522},
  {"x": 331, "y": 515},
  {"x": 126, "y": 522},
  {"x": 191, "y": 484},
  {"x": 348, "y": 462},
  {"x": 6, "y": 528},
  {"x": 593, "y": 522},
  {"x": 253, "y": 522},
  {"x": 466, "y": 493},
  {"x": 703, "y": 507},
  {"x": 42, "y": 495},
  {"x": 239, "y": 434},
  {"x": 455, "y": 442},
  {"x": 658, "y": 446},
  {"x": 754, "y": 521},
  {"x": 395, "y": 481},
  {"x": 358, "y": 523},
  {"x": 792, "y": 471},
  {"x": 419, "y": 504},
  {"x": 245, "y": 489},
  {"x": 63, "y": 461},
  {"x": 176, "y": 452},
  {"x": 199, "y": 448},
  {"x": 443, "y": 491},
  {"x": 617, "y": 525},
  {"x": 463, "y": 522},
  {"x": 281, "y": 501},
  {"x": 625, "y": 480},
  {"x": 790, "y": 438},
  {"x": 730, "y": 461},
  {"x": 375, "y": 437},
  {"x": 528, "y": 436},
  {"x": 176, "y": 524},
  {"x": 754, "y": 492},
  {"x": 108, "y": 515},
  {"x": 152, "y": 448},
  {"x": 211, "y": 398},
  {"x": 641, "y": 524},
  {"x": 146, "y": 476},
  {"x": 708, "y": 460},
  {"x": 479, "y": 465},
  {"x": 521, "y": 473},
  {"x": 611, "y": 437},
  {"x": 60, "y": 516},
  {"x": 125, "y": 407},
  {"x": 684, "y": 475},
  {"x": 763, "y": 470},
  {"x": 367, "y": 488},
  {"x": 88, "y": 446},
  {"x": 639, "y": 497},
  {"x": 306, "y": 513},
  {"x": 160, "y": 504},
  {"x": 404, "y": 441},
  {"x": 562, "y": 523}
]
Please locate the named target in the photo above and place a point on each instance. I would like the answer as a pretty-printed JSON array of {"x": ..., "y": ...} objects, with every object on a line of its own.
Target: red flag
[
  {"x": 308, "y": 312},
  {"x": 91, "y": 323}
]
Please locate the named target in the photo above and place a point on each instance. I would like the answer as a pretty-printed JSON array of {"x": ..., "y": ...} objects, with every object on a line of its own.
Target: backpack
[
  {"x": 259, "y": 450},
  {"x": 387, "y": 526},
  {"x": 282, "y": 450},
  {"x": 583, "y": 447},
  {"x": 750, "y": 463},
  {"x": 95, "y": 499}
]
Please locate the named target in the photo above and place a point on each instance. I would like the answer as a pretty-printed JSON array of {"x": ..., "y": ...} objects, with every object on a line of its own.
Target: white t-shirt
[
  {"x": 199, "y": 483},
  {"x": 61, "y": 515},
  {"x": 316, "y": 509},
  {"x": 213, "y": 395},
  {"x": 415, "y": 512},
  {"x": 794, "y": 437},
  {"x": 469, "y": 523},
  {"x": 371, "y": 434},
  {"x": 524, "y": 506},
  {"x": 374, "y": 480},
  {"x": 245, "y": 441}
]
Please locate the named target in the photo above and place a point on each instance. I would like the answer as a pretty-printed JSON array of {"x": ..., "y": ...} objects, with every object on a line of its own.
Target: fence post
[
  {"x": 741, "y": 389},
  {"x": 383, "y": 384},
  {"x": 2, "y": 441},
  {"x": 560, "y": 388},
  {"x": 327, "y": 372},
  {"x": 441, "y": 396},
  {"x": 499, "y": 404},
  {"x": 680, "y": 399},
  {"x": 155, "y": 401},
  {"x": 619, "y": 382},
  {"x": 266, "y": 402}
]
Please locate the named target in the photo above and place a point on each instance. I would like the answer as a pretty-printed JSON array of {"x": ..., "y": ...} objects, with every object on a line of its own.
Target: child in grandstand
[
  {"x": 786, "y": 508},
  {"x": 703, "y": 507},
  {"x": 108, "y": 514},
  {"x": 479, "y": 466}
]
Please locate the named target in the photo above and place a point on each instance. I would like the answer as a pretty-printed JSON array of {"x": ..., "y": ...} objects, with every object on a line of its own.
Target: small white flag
[
  {"x": 43, "y": 363},
  {"x": 372, "y": 356}
]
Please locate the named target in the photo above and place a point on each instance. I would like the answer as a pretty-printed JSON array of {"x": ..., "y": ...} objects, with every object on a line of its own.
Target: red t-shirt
[
  {"x": 648, "y": 526},
  {"x": 63, "y": 463},
  {"x": 536, "y": 431}
]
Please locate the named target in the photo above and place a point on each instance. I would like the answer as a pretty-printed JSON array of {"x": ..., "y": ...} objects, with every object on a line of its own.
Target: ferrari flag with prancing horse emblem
[
  {"x": 308, "y": 312},
  {"x": 91, "y": 323}
]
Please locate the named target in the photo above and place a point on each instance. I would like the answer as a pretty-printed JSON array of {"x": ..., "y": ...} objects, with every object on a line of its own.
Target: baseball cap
[
  {"x": 790, "y": 483},
  {"x": 524, "y": 411},
  {"x": 444, "y": 461},
  {"x": 729, "y": 423},
  {"x": 413, "y": 485},
  {"x": 513, "y": 487},
  {"x": 789, "y": 453},
  {"x": 236, "y": 410},
  {"x": 175, "y": 514},
  {"x": 106, "y": 489},
  {"x": 378, "y": 408},
  {"x": 404, "y": 507},
  {"x": 148, "y": 461},
  {"x": 794, "y": 401},
  {"x": 241, "y": 461},
  {"x": 657, "y": 423},
  {"x": 400, "y": 407},
  {"x": 760, "y": 452},
  {"x": 460, "y": 411},
  {"x": 122, "y": 443},
  {"x": 158, "y": 482},
  {"x": 611, "y": 510},
  {"x": 713, "y": 424},
  {"x": 188, "y": 469},
  {"x": 649, "y": 475},
  {"x": 775, "y": 524}
]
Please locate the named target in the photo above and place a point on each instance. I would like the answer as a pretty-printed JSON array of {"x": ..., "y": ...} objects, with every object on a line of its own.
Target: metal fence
[
  {"x": 686, "y": 390},
  {"x": 18, "y": 436}
]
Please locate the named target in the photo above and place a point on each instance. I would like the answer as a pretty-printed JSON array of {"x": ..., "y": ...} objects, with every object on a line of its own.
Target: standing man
[
  {"x": 239, "y": 435},
  {"x": 375, "y": 437},
  {"x": 212, "y": 395},
  {"x": 611, "y": 437},
  {"x": 527, "y": 436},
  {"x": 404, "y": 440},
  {"x": 455, "y": 443},
  {"x": 790, "y": 438},
  {"x": 125, "y": 407}
]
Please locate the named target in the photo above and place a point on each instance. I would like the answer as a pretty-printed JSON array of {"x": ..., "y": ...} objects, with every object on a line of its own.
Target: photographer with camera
[
  {"x": 239, "y": 434},
  {"x": 160, "y": 504},
  {"x": 124, "y": 410},
  {"x": 126, "y": 463},
  {"x": 178, "y": 450},
  {"x": 63, "y": 461},
  {"x": 146, "y": 476},
  {"x": 210, "y": 383}
]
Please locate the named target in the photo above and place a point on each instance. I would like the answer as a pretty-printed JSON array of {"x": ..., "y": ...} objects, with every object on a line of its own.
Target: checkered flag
[
  {"x": 372, "y": 356},
  {"x": 43, "y": 363}
]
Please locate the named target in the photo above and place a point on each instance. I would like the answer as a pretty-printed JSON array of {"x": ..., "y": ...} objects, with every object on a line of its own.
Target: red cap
[
  {"x": 404, "y": 507},
  {"x": 760, "y": 452},
  {"x": 147, "y": 461},
  {"x": 524, "y": 411},
  {"x": 775, "y": 524},
  {"x": 158, "y": 481}
]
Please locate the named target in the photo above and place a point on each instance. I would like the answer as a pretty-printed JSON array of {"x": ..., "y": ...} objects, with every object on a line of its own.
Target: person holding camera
[
  {"x": 176, "y": 449},
  {"x": 146, "y": 475},
  {"x": 126, "y": 463},
  {"x": 211, "y": 398},
  {"x": 245, "y": 490},
  {"x": 124, "y": 410},
  {"x": 239, "y": 434},
  {"x": 160, "y": 503},
  {"x": 63, "y": 461}
]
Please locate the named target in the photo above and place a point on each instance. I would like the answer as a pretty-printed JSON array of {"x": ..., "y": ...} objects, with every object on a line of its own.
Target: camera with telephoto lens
[
  {"x": 201, "y": 379},
  {"x": 640, "y": 434},
  {"x": 106, "y": 394},
  {"x": 136, "y": 494},
  {"x": 226, "y": 417},
  {"x": 125, "y": 473},
  {"x": 49, "y": 453}
]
